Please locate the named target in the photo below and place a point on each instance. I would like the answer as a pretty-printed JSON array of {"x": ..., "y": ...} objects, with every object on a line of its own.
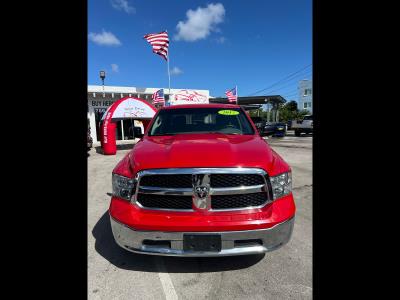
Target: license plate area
[{"x": 202, "y": 242}]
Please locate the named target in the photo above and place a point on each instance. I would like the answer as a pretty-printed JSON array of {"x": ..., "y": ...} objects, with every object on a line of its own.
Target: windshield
[{"x": 200, "y": 120}]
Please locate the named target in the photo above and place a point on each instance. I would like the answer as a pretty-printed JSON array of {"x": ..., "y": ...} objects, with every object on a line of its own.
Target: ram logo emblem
[{"x": 202, "y": 191}]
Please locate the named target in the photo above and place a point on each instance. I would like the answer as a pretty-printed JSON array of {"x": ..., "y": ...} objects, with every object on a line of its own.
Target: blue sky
[{"x": 252, "y": 44}]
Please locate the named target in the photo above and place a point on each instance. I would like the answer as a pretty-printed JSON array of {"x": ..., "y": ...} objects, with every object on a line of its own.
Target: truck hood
[{"x": 205, "y": 150}]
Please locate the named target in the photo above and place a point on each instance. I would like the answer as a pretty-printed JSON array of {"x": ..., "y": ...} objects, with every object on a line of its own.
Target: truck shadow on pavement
[
  {"x": 106, "y": 247},
  {"x": 119, "y": 147}
]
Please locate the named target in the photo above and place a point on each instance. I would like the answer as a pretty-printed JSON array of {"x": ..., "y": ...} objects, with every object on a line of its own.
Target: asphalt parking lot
[{"x": 286, "y": 273}]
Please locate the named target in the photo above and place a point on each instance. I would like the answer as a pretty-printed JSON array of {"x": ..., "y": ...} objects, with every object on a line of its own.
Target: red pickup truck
[{"x": 202, "y": 182}]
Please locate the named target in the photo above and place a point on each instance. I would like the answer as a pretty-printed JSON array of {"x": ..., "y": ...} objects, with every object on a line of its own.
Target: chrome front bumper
[{"x": 233, "y": 242}]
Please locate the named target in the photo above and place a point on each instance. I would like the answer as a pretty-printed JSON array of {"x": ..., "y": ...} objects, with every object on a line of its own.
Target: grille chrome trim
[
  {"x": 213, "y": 191},
  {"x": 250, "y": 189},
  {"x": 165, "y": 191},
  {"x": 174, "y": 171}
]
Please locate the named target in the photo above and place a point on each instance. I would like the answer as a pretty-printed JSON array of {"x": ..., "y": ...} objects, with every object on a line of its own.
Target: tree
[
  {"x": 291, "y": 106},
  {"x": 302, "y": 113},
  {"x": 286, "y": 112},
  {"x": 258, "y": 112},
  {"x": 290, "y": 111}
]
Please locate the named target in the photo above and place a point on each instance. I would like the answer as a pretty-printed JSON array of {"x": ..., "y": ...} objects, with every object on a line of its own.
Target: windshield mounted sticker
[{"x": 228, "y": 112}]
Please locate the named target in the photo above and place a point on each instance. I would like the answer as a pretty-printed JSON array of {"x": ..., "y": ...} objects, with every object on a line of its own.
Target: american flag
[
  {"x": 158, "y": 97},
  {"x": 232, "y": 95},
  {"x": 159, "y": 42}
]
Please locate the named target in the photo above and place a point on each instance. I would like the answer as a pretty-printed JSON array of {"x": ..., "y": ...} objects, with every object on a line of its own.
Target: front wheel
[{"x": 297, "y": 132}]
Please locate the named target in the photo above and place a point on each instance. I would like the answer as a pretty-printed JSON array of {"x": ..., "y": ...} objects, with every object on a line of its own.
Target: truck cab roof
[{"x": 213, "y": 105}]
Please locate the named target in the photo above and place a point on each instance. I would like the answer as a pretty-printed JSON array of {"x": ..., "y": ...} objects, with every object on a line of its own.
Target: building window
[
  {"x": 309, "y": 104},
  {"x": 307, "y": 92},
  {"x": 305, "y": 105}
]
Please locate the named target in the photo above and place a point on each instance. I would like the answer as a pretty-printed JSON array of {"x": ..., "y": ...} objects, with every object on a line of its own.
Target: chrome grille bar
[
  {"x": 213, "y": 191},
  {"x": 165, "y": 191}
]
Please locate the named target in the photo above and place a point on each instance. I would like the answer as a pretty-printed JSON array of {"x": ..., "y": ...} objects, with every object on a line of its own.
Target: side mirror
[{"x": 138, "y": 132}]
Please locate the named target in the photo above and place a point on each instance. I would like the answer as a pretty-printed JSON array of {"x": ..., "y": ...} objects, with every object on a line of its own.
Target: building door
[
  {"x": 128, "y": 129},
  {"x": 118, "y": 133},
  {"x": 98, "y": 113}
]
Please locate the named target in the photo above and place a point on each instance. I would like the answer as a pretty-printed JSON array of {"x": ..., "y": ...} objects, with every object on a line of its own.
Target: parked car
[
  {"x": 304, "y": 125},
  {"x": 275, "y": 129},
  {"x": 259, "y": 123},
  {"x": 201, "y": 182}
]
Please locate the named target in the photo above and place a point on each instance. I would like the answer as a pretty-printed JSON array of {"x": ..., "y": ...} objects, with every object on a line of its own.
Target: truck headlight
[
  {"x": 281, "y": 185},
  {"x": 123, "y": 187}
]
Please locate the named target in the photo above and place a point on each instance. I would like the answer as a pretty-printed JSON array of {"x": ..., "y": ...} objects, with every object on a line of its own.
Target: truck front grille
[
  {"x": 235, "y": 201},
  {"x": 168, "y": 181},
  {"x": 228, "y": 188},
  {"x": 164, "y": 201},
  {"x": 233, "y": 180},
  {"x": 217, "y": 180}
]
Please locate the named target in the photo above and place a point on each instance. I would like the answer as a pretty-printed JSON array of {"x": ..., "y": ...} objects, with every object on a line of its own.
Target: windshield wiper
[
  {"x": 220, "y": 132},
  {"x": 164, "y": 134}
]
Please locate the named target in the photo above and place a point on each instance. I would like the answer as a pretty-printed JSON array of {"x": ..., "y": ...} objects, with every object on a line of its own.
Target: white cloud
[
  {"x": 123, "y": 5},
  {"x": 200, "y": 22},
  {"x": 115, "y": 68},
  {"x": 104, "y": 39},
  {"x": 221, "y": 40},
  {"x": 176, "y": 71}
]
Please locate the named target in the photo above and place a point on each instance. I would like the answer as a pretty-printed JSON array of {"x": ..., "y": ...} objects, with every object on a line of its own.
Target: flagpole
[
  {"x": 169, "y": 76},
  {"x": 237, "y": 96}
]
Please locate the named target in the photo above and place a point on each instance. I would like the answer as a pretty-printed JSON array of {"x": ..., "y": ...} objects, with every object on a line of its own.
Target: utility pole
[
  {"x": 277, "y": 114},
  {"x": 103, "y": 76}
]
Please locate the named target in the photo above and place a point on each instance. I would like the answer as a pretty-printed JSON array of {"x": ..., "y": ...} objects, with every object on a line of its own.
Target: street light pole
[{"x": 102, "y": 76}]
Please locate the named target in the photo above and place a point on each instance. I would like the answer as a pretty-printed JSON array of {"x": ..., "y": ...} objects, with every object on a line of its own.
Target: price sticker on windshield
[{"x": 228, "y": 112}]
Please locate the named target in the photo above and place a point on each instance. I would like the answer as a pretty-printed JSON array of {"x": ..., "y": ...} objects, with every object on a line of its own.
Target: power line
[
  {"x": 296, "y": 89},
  {"x": 290, "y": 96},
  {"x": 281, "y": 80},
  {"x": 292, "y": 92},
  {"x": 287, "y": 84},
  {"x": 280, "y": 88}
]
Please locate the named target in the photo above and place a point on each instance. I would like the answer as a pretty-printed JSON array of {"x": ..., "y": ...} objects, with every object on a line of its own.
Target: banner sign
[
  {"x": 188, "y": 97},
  {"x": 131, "y": 108}
]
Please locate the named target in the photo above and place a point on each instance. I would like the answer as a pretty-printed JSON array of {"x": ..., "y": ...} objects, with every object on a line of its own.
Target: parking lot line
[{"x": 166, "y": 282}]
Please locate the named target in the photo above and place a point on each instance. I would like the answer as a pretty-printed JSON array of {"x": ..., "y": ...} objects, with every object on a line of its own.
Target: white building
[
  {"x": 305, "y": 95},
  {"x": 99, "y": 100}
]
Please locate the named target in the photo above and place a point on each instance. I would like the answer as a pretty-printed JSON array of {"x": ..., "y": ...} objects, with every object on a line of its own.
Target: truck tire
[{"x": 297, "y": 132}]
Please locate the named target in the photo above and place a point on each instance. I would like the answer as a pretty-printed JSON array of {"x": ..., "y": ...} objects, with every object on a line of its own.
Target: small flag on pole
[
  {"x": 158, "y": 97},
  {"x": 232, "y": 95},
  {"x": 159, "y": 42}
]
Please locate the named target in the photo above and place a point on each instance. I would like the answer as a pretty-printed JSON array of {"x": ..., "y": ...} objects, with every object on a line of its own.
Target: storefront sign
[{"x": 101, "y": 103}]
